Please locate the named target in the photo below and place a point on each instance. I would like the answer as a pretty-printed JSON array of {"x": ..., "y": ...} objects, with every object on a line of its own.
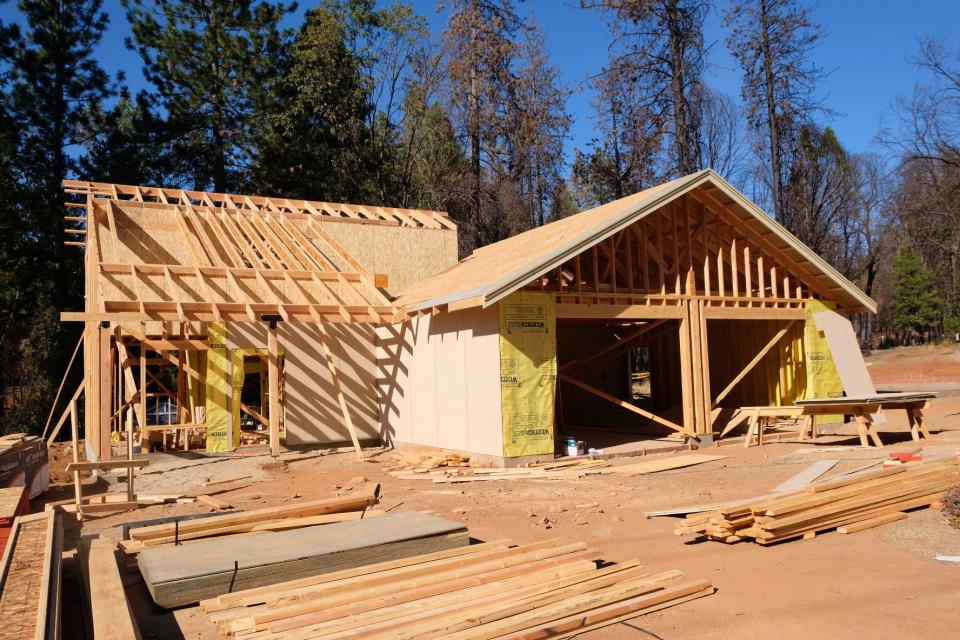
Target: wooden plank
[
  {"x": 619, "y": 311},
  {"x": 104, "y": 466},
  {"x": 872, "y": 522},
  {"x": 626, "y": 405},
  {"x": 297, "y": 510},
  {"x": 750, "y": 365},
  {"x": 112, "y": 615},
  {"x": 664, "y": 464},
  {"x": 805, "y": 477},
  {"x": 187, "y": 574},
  {"x": 273, "y": 373},
  {"x": 338, "y": 390}
]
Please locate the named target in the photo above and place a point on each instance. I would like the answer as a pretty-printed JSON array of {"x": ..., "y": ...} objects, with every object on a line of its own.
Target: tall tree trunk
[
  {"x": 775, "y": 160},
  {"x": 681, "y": 126}
]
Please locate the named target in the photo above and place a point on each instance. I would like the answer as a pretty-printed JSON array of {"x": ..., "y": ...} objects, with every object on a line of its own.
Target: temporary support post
[
  {"x": 273, "y": 372},
  {"x": 334, "y": 374}
]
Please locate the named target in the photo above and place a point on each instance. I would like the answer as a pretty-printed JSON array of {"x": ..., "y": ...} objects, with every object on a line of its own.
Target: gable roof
[{"x": 497, "y": 270}]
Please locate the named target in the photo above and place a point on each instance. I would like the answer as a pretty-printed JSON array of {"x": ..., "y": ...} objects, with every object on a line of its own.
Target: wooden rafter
[{"x": 282, "y": 206}]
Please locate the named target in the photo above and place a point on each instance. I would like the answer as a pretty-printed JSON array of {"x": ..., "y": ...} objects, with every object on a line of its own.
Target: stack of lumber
[
  {"x": 549, "y": 589},
  {"x": 556, "y": 470},
  {"x": 185, "y": 574},
  {"x": 850, "y": 503},
  {"x": 290, "y": 516},
  {"x": 30, "y": 578}
]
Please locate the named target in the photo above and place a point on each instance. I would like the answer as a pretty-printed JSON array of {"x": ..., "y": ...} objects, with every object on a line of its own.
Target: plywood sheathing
[{"x": 710, "y": 207}]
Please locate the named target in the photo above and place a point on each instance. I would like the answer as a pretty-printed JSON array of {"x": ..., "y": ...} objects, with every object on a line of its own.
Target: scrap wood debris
[
  {"x": 849, "y": 504},
  {"x": 488, "y": 590},
  {"x": 300, "y": 514},
  {"x": 551, "y": 470}
]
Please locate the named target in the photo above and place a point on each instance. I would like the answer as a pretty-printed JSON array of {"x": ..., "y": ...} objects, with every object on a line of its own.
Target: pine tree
[
  {"x": 916, "y": 306},
  {"x": 313, "y": 144},
  {"x": 214, "y": 67},
  {"x": 53, "y": 86}
]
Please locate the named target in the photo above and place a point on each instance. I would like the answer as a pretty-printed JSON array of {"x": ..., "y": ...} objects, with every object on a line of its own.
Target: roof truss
[{"x": 190, "y": 259}]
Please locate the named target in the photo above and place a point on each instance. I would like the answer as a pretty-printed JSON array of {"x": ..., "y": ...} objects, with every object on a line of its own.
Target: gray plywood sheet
[
  {"x": 180, "y": 575},
  {"x": 806, "y": 476}
]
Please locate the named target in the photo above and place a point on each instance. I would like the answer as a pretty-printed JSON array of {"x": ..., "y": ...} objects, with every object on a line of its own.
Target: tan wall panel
[
  {"x": 440, "y": 382},
  {"x": 312, "y": 411}
]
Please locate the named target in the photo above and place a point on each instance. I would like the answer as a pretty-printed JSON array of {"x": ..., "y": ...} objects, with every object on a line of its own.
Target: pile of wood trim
[
  {"x": 849, "y": 504},
  {"x": 289, "y": 516},
  {"x": 484, "y": 591}
]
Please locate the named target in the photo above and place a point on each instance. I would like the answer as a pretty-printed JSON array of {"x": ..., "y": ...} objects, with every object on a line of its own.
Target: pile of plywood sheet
[
  {"x": 30, "y": 579},
  {"x": 849, "y": 504},
  {"x": 185, "y": 574},
  {"x": 288, "y": 516},
  {"x": 549, "y": 589}
]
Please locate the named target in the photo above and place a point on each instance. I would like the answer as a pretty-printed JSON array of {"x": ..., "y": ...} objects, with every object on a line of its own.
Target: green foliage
[
  {"x": 312, "y": 144},
  {"x": 915, "y": 303},
  {"x": 52, "y": 89},
  {"x": 214, "y": 67}
]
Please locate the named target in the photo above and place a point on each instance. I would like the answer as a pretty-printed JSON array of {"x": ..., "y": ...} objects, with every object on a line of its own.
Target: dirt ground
[{"x": 880, "y": 583}]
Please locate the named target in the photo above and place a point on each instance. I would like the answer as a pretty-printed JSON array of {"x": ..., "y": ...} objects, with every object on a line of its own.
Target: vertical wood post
[
  {"x": 142, "y": 405},
  {"x": 686, "y": 370},
  {"x": 103, "y": 430},
  {"x": 273, "y": 371},
  {"x": 91, "y": 397}
]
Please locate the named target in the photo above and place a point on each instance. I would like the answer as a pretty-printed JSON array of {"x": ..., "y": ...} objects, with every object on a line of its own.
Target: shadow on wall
[{"x": 312, "y": 410}]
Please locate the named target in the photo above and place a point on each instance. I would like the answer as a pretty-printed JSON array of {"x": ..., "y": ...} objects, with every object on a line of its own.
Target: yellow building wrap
[
  {"x": 528, "y": 372},
  {"x": 241, "y": 369},
  {"x": 823, "y": 379},
  {"x": 220, "y": 434}
]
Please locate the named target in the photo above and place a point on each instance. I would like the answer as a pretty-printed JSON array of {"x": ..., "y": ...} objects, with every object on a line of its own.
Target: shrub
[{"x": 951, "y": 506}]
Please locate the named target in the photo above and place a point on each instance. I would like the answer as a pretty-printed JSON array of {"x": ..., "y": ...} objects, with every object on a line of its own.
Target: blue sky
[{"x": 865, "y": 49}]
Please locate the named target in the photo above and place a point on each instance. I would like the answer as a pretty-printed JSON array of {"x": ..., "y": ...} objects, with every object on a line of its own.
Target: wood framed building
[
  {"x": 541, "y": 332},
  {"x": 367, "y": 327},
  {"x": 220, "y": 288}
]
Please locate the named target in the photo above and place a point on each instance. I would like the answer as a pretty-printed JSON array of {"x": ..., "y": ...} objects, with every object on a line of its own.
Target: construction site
[{"x": 305, "y": 419}]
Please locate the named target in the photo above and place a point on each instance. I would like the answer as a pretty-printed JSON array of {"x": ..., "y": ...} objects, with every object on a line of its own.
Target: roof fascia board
[{"x": 510, "y": 283}]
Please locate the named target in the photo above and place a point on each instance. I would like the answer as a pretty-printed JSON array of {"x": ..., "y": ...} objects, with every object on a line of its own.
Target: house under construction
[{"x": 652, "y": 316}]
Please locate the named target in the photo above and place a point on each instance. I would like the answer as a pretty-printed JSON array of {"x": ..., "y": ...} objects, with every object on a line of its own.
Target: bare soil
[{"x": 881, "y": 583}]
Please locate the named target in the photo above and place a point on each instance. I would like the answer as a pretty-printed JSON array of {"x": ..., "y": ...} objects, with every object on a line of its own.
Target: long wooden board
[
  {"x": 112, "y": 616},
  {"x": 664, "y": 464},
  {"x": 180, "y": 575}
]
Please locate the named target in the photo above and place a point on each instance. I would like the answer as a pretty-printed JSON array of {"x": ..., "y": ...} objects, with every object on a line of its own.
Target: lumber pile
[
  {"x": 850, "y": 503},
  {"x": 30, "y": 579},
  {"x": 185, "y": 574},
  {"x": 288, "y": 516},
  {"x": 549, "y": 589}
]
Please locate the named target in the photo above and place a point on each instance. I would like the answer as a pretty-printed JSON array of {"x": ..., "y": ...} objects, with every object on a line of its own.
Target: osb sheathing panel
[
  {"x": 312, "y": 411},
  {"x": 440, "y": 382},
  {"x": 406, "y": 255}
]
